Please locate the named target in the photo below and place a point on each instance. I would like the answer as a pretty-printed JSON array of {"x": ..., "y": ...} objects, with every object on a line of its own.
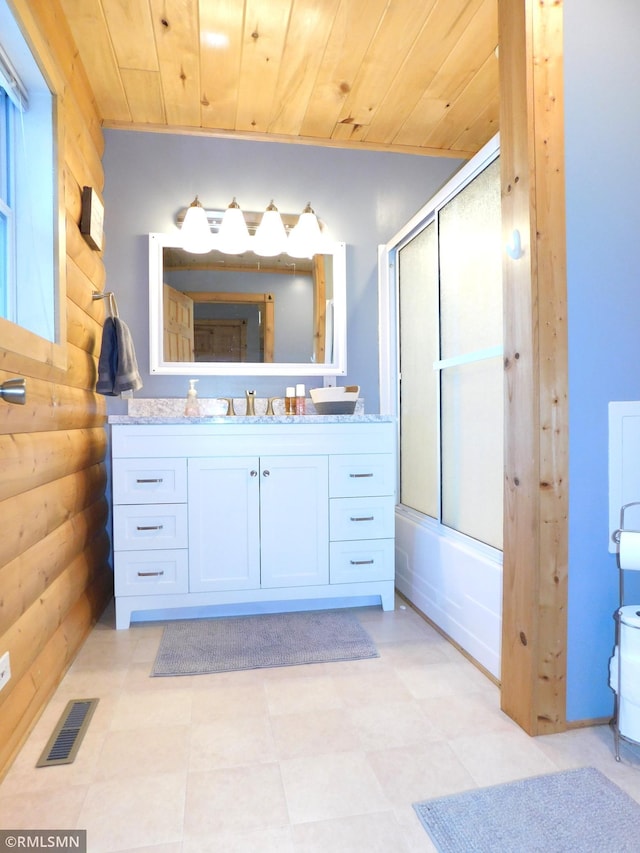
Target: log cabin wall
[{"x": 55, "y": 577}]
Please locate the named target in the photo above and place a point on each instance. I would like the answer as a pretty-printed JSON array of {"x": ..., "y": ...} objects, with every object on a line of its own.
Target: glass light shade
[
  {"x": 305, "y": 238},
  {"x": 270, "y": 238},
  {"x": 233, "y": 236},
  {"x": 196, "y": 232}
]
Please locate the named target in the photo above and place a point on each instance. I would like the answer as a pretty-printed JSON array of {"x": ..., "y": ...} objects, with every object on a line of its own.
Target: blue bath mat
[{"x": 575, "y": 811}]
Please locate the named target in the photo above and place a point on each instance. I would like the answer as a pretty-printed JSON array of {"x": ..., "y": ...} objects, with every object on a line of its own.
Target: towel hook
[{"x": 108, "y": 294}]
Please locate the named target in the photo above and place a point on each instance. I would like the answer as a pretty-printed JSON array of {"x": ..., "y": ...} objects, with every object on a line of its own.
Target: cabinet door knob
[
  {"x": 266, "y": 473},
  {"x": 253, "y": 473}
]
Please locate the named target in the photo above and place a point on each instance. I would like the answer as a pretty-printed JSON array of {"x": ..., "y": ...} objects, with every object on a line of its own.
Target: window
[
  {"x": 451, "y": 372},
  {"x": 30, "y": 277},
  {"x": 6, "y": 214}
]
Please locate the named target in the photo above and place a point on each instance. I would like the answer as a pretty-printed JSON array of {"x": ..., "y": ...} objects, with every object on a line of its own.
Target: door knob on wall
[{"x": 14, "y": 391}]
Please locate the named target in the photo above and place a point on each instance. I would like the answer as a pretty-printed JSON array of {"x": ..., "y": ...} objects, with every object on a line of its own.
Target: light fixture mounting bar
[{"x": 252, "y": 218}]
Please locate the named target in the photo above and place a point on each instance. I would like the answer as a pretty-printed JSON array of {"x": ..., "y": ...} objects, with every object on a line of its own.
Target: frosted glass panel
[
  {"x": 418, "y": 286},
  {"x": 470, "y": 267},
  {"x": 472, "y": 439}
]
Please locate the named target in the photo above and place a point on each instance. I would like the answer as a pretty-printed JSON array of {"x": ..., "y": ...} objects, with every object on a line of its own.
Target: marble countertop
[
  {"x": 214, "y": 411},
  {"x": 267, "y": 420}
]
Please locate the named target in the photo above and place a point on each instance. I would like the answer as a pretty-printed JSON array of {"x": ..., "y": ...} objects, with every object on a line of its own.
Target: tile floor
[{"x": 309, "y": 759}]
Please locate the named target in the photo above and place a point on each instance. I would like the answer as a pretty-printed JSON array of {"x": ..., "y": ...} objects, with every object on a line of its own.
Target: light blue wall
[
  {"x": 602, "y": 127},
  {"x": 364, "y": 197}
]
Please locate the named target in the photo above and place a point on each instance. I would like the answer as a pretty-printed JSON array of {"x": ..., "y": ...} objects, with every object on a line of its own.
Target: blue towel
[{"x": 117, "y": 365}]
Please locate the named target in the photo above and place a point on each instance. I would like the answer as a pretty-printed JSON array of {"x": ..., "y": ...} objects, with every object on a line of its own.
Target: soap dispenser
[{"x": 192, "y": 408}]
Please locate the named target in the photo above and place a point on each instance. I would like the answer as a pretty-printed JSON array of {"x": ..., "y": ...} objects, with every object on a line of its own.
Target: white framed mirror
[{"x": 244, "y": 315}]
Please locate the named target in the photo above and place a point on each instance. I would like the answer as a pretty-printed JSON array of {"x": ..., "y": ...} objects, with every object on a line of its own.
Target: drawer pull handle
[
  {"x": 150, "y": 574},
  {"x": 151, "y": 527},
  {"x": 363, "y": 518},
  {"x": 253, "y": 473},
  {"x": 356, "y": 476},
  {"x": 361, "y": 562},
  {"x": 151, "y": 480}
]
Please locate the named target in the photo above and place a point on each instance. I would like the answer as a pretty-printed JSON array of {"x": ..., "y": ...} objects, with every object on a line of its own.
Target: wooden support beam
[{"x": 536, "y": 420}]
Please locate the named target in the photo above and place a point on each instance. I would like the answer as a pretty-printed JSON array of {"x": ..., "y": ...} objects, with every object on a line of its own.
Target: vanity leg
[
  {"x": 388, "y": 598},
  {"x": 123, "y": 615}
]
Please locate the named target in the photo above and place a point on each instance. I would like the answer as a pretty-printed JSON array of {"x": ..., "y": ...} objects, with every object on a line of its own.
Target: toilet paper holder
[
  {"x": 616, "y": 533},
  {"x": 616, "y": 537},
  {"x": 618, "y": 689}
]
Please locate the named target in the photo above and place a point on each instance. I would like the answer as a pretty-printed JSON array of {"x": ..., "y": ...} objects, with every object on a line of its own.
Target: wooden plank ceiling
[{"x": 419, "y": 76}]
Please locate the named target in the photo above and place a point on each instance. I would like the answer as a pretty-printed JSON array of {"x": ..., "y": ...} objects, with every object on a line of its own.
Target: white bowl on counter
[{"x": 340, "y": 400}]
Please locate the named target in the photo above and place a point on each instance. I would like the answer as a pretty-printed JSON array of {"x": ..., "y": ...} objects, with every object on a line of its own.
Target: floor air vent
[{"x": 67, "y": 735}]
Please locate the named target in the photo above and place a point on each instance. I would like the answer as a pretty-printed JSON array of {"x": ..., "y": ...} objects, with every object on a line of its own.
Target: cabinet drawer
[
  {"x": 361, "y": 518},
  {"x": 144, "y": 481},
  {"x": 154, "y": 526},
  {"x": 364, "y": 474},
  {"x": 151, "y": 573},
  {"x": 370, "y": 560}
]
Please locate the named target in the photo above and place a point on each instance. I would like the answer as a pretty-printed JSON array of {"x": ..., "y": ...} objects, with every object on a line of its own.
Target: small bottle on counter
[
  {"x": 300, "y": 399},
  {"x": 192, "y": 406},
  {"x": 290, "y": 401}
]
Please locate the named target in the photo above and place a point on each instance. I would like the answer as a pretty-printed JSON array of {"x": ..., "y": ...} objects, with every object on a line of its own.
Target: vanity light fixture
[
  {"x": 234, "y": 231},
  {"x": 196, "y": 233},
  {"x": 270, "y": 238},
  {"x": 305, "y": 237},
  {"x": 233, "y": 234}
]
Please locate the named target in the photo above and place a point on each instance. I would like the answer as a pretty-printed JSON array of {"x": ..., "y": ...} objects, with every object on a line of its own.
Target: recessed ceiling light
[{"x": 218, "y": 40}]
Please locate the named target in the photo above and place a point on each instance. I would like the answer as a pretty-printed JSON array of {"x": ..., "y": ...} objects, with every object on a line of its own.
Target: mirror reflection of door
[
  {"x": 178, "y": 325},
  {"x": 220, "y": 340},
  {"x": 224, "y": 286},
  {"x": 217, "y": 327},
  {"x": 244, "y": 322}
]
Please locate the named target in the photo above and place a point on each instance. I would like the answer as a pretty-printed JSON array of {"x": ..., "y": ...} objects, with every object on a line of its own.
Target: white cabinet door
[
  {"x": 294, "y": 520},
  {"x": 224, "y": 524}
]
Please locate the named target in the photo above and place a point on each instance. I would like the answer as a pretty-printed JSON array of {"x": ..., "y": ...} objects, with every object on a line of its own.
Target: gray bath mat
[
  {"x": 200, "y": 646},
  {"x": 575, "y": 811}
]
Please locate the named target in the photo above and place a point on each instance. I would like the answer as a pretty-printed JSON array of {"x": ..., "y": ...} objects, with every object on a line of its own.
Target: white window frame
[
  {"x": 24, "y": 40},
  {"x": 7, "y": 195}
]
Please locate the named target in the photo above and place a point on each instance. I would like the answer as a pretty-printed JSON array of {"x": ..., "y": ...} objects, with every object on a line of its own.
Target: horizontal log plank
[
  {"x": 80, "y": 291},
  {"x": 22, "y": 708},
  {"x": 28, "y": 575},
  {"x": 82, "y": 160},
  {"x": 35, "y": 514},
  {"x": 82, "y": 371},
  {"x": 31, "y": 459},
  {"x": 51, "y": 406},
  {"x": 27, "y": 636},
  {"x": 86, "y": 258},
  {"x": 83, "y": 330},
  {"x": 72, "y": 197}
]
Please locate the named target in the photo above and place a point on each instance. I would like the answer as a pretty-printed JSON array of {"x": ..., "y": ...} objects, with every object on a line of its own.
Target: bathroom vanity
[{"x": 264, "y": 512}]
